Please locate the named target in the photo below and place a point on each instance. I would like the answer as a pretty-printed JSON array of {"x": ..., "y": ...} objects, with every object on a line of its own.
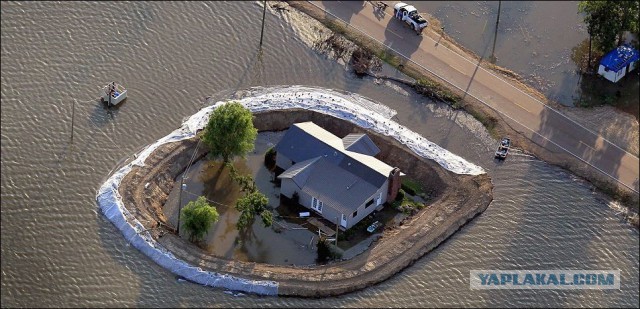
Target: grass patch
[
  {"x": 407, "y": 206},
  {"x": 488, "y": 122},
  {"x": 411, "y": 187}
]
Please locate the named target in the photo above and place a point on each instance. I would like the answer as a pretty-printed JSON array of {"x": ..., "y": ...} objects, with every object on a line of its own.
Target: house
[
  {"x": 618, "y": 63},
  {"x": 338, "y": 178}
]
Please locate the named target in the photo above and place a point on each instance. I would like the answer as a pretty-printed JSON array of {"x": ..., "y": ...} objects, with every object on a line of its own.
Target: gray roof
[
  {"x": 360, "y": 143},
  {"x": 299, "y": 172},
  {"x": 306, "y": 140},
  {"x": 334, "y": 186}
]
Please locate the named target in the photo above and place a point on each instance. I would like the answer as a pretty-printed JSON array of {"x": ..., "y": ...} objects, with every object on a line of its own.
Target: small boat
[
  {"x": 112, "y": 94},
  {"x": 503, "y": 148}
]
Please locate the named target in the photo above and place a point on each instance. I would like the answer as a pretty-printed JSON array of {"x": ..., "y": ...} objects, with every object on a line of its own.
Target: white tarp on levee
[{"x": 350, "y": 107}]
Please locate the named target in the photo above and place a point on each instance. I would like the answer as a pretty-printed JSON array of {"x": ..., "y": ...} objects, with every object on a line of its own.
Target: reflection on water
[
  {"x": 58, "y": 250},
  {"x": 279, "y": 244}
]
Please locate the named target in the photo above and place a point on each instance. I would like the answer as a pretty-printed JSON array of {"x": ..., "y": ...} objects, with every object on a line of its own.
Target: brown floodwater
[
  {"x": 286, "y": 243},
  {"x": 58, "y": 250}
]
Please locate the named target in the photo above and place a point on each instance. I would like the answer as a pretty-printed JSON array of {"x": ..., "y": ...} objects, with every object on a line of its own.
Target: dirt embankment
[
  {"x": 497, "y": 124},
  {"x": 457, "y": 199}
]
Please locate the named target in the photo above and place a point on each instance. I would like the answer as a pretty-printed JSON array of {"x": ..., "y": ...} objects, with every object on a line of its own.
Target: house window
[
  {"x": 316, "y": 204},
  {"x": 369, "y": 203},
  {"x": 355, "y": 213}
]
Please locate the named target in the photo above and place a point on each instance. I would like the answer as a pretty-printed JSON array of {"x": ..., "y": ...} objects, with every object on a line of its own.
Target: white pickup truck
[{"x": 409, "y": 14}]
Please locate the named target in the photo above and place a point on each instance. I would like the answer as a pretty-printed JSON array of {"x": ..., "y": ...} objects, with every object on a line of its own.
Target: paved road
[{"x": 539, "y": 122}]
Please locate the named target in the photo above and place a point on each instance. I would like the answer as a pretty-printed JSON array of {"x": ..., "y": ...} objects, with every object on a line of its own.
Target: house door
[
  {"x": 343, "y": 221},
  {"x": 379, "y": 201}
]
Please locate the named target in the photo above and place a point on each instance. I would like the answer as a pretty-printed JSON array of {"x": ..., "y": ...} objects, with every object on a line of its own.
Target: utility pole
[
  {"x": 180, "y": 203},
  {"x": 495, "y": 36},
  {"x": 589, "y": 61},
  {"x": 73, "y": 115},
  {"x": 337, "y": 220},
  {"x": 264, "y": 12}
]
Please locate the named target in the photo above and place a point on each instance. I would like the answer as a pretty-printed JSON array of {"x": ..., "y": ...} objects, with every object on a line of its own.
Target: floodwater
[
  {"x": 58, "y": 250},
  {"x": 280, "y": 244},
  {"x": 535, "y": 39}
]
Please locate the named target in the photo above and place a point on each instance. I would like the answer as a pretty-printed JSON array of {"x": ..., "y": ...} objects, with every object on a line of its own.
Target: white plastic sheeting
[{"x": 351, "y": 107}]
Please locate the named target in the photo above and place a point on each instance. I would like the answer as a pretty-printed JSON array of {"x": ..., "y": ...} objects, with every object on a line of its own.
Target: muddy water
[
  {"x": 281, "y": 245},
  {"x": 58, "y": 250},
  {"x": 535, "y": 39}
]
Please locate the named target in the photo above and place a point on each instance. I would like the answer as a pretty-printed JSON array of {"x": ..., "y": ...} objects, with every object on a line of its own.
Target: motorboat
[
  {"x": 113, "y": 93},
  {"x": 503, "y": 148}
]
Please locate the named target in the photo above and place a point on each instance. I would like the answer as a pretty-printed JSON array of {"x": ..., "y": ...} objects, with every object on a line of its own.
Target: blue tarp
[{"x": 618, "y": 58}]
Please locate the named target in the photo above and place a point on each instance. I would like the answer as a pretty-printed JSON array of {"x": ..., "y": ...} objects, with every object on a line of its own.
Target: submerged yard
[{"x": 291, "y": 240}]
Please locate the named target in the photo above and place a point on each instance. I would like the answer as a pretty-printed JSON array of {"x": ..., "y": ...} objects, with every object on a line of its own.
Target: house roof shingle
[
  {"x": 360, "y": 143},
  {"x": 307, "y": 140}
]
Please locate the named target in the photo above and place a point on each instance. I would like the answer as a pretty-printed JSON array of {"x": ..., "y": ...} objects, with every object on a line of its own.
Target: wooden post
[
  {"x": 589, "y": 60},
  {"x": 180, "y": 204},
  {"x": 495, "y": 36},
  {"x": 73, "y": 115},
  {"x": 264, "y": 12},
  {"x": 337, "y": 221}
]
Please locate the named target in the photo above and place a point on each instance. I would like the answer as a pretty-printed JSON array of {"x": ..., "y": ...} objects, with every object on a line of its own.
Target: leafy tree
[
  {"x": 230, "y": 132},
  {"x": 607, "y": 19},
  {"x": 197, "y": 217},
  {"x": 267, "y": 218},
  {"x": 250, "y": 205}
]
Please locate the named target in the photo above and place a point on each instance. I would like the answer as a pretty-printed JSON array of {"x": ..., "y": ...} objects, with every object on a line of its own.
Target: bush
[
  {"x": 197, "y": 218},
  {"x": 325, "y": 253},
  {"x": 400, "y": 195},
  {"x": 411, "y": 187},
  {"x": 270, "y": 158}
]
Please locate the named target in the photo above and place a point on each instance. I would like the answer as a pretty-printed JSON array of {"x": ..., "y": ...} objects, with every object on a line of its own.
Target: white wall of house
[
  {"x": 616, "y": 76},
  {"x": 288, "y": 187},
  {"x": 379, "y": 198}
]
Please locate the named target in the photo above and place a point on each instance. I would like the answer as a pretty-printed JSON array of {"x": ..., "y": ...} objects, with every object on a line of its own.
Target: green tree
[
  {"x": 197, "y": 218},
  {"x": 230, "y": 132},
  {"x": 607, "y": 20},
  {"x": 250, "y": 205}
]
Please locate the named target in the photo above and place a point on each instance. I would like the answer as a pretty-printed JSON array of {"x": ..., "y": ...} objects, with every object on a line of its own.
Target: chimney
[{"x": 394, "y": 184}]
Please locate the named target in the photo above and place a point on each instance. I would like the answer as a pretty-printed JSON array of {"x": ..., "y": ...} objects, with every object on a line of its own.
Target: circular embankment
[
  {"x": 133, "y": 196},
  {"x": 458, "y": 198}
]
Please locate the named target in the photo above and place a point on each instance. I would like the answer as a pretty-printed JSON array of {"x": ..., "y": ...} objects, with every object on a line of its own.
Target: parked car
[{"x": 373, "y": 227}]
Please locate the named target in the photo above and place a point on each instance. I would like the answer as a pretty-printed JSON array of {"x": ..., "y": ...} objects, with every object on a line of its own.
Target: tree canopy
[
  {"x": 230, "y": 132},
  {"x": 252, "y": 204},
  {"x": 197, "y": 217},
  {"x": 607, "y": 20}
]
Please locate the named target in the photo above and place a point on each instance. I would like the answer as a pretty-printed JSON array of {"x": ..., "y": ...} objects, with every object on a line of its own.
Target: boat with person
[
  {"x": 503, "y": 148},
  {"x": 113, "y": 93}
]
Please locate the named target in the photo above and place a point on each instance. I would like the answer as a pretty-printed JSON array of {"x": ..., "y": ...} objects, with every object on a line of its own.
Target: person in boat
[{"x": 112, "y": 89}]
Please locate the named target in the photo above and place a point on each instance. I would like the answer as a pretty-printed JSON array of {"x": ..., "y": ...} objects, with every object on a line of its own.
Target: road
[{"x": 539, "y": 122}]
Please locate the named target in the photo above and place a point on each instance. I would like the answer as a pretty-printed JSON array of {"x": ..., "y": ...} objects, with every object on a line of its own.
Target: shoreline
[
  {"x": 493, "y": 121},
  {"x": 132, "y": 198}
]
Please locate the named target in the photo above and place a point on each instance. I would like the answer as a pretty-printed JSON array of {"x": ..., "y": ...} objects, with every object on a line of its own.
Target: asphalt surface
[{"x": 537, "y": 121}]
